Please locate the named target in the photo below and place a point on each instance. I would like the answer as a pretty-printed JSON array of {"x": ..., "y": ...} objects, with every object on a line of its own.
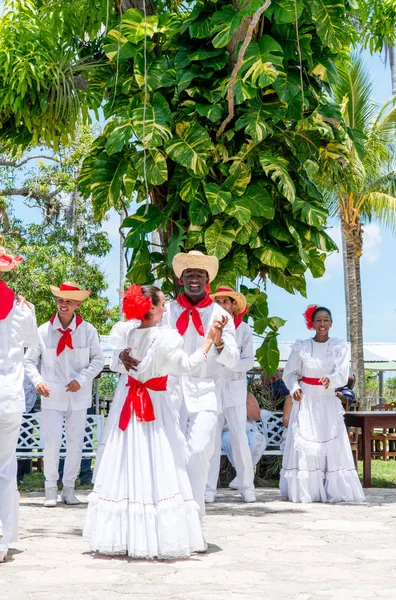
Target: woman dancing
[
  {"x": 317, "y": 463},
  {"x": 142, "y": 504}
]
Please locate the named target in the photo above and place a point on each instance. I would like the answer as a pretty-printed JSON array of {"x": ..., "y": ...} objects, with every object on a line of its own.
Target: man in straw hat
[
  {"x": 18, "y": 330},
  {"x": 71, "y": 357},
  {"x": 198, "y": 395},
  {"x": 233, "y": 396}
]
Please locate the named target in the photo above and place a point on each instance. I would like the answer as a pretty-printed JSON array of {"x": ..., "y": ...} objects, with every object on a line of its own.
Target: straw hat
[
  {"x": 8, "y": 261},
  {"x": 70, "y": 291},
  {"x": 227, "y": 292},
  {"x": 195, "y": 260}
]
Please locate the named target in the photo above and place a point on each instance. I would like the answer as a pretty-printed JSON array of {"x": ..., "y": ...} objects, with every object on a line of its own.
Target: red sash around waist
[
  {"x": 311, "y": 380},
  {"x": 138, "y": 399}
]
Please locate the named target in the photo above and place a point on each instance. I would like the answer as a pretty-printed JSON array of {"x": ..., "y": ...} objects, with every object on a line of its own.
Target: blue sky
[{"x": 378, "y": 271}]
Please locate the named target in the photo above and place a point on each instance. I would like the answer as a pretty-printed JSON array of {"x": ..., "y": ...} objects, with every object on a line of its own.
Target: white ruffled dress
[
  {"x": 317, "y": 462},
  {"x": 142, "y": 504}
]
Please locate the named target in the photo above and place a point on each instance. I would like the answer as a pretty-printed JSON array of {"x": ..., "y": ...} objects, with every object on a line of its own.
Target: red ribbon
[
  {"x": 182, "y": 321},
  {"x": 7, "y": 298},
  {"x": 311, "y": 380},
  {"x": 66, "y": 338},
  {"x": 138, "y": 399}
]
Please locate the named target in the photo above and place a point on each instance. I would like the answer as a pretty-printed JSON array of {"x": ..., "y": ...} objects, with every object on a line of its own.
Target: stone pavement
[{"x": 272, "y": 549}]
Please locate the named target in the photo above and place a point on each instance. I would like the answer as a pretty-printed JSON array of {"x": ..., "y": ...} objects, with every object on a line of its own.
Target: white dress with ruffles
[
  {"x": 317, "y": 462},
  {"x": 142, "y": 504}
]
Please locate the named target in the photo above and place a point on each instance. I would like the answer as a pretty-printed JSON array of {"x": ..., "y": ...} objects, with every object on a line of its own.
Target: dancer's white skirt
[
  {"x": 317, "y": 463},
  {"x": 142, "y": 504}
]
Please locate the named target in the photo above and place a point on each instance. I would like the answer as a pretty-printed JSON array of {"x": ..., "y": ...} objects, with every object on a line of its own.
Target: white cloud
[
  {"x": 371, "y": 243},
  {"x": 333, "y": 262}
]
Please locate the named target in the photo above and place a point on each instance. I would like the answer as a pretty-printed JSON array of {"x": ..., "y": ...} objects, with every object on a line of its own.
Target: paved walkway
[{"x": 272, "y": 549}]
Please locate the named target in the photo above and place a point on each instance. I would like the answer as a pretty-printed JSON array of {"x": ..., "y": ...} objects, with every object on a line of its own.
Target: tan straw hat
[
  {"x": 70, "y": 291},
  {"x": 227, "y": 292},
  {"x": 8, "y": 261},
  {"x": 195, "y": 260}
]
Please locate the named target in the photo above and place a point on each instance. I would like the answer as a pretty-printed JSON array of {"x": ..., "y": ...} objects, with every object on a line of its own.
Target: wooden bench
[{"x": 31, "y": 445}]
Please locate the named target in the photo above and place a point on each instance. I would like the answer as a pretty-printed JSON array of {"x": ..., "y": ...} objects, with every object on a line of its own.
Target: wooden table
[{"x": 367, "y": 421}]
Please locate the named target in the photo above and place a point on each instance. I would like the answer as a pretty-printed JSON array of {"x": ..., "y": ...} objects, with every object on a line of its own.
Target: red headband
[
  {"x": 135, "y": 305},
  {"x": 308, "y": 315}
]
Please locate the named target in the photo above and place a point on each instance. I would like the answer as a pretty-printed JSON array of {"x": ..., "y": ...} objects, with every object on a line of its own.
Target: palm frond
[{"x": 383, "y": 207}]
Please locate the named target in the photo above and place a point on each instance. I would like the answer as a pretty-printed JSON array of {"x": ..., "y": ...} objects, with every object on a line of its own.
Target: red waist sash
[
  {"x": 138, "y": 399},
  {"x": 311, "y": 380}
]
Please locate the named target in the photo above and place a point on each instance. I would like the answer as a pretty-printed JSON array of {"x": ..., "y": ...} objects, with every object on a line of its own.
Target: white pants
[
  {"x": 10, "y": 424},
  {"x": 236, "y": 421},
  {"x": 199, "y": 430},
  {"x": 51, "y": 430}
]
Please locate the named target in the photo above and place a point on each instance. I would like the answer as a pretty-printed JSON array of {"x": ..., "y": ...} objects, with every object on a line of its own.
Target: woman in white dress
[
  {"x": 142, "y": 504},
  {"x": 317, "y": 462}
]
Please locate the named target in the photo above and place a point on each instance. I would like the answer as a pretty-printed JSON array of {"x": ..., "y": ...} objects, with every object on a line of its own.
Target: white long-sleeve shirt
[
  {"x": 234, "y": 386},
  {"x": 201, "y": 389},
  {"x": 17, "y": 331},
  {"x": 83, "y": 363}
]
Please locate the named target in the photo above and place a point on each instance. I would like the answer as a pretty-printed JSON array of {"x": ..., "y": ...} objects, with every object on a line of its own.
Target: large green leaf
[
  {"x": 134, "y": 27},
  {"x": 118, "y": 47},
  {"x": 156, "y": 167},
  {"x": 277, "y": 168},
  {"x": 155, "y": 71},
  {"x": 238, "y": 209},
  {"x": 191, "y": 147},
  {"x": 106, "y": 182},
  {"x": 152, "y": 125},
  {"x": 238, "y": 180},
  {"x": 212, "y": 111},
  {"x": 189, "y": 188},
  {"x": 218, "y": 239},
  {"x": 287, "y": 86},
  {"x": 140, "y": 271},
  {"x": 269, "y": 255},
  {"x": 146, "y": 219},
  {"x": 120, "y": 132},
  {"x": 268, "y": 353},
  {"x": 285, "y": 10},
  {"x": 198, "y": 211},
  {"x": 261, "y": 61},
  {"x": 258, "y": 200},
  {"x": 226, "y": 21},
  {"x": 256, "y": 121},
  {"x": 232, "y": 267},
  {"x": 314, "y": 215},
  {"x": 217, "y": 198},
  {"x": 328, "y": 16}
]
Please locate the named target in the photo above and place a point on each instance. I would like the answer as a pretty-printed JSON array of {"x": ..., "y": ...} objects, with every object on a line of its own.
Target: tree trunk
[
  {"x": 353, "y": 246},
  {"x": 392, "y": 61},
  {"x": 346, "y": 289}
]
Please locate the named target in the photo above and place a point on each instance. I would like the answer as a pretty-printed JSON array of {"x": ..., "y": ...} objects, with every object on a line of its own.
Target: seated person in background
[
  {"x": 346, "y": 393},
  {"x": 278, "y": 390},
  {"x": 25, "y": 464},
  {"x": 257, "y": 441}
]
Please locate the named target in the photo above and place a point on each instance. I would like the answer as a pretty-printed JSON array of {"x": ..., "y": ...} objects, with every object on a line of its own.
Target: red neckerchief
[
  {"x": 138, "y": 399},
  {"x": 7, "y": 298},
  {"x": 66, "y": 338},
  {"x": 237, "y": 321},
  {"x": 182, "y": 321}
]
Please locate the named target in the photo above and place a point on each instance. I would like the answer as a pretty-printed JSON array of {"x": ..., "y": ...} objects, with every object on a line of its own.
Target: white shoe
[
  {"x": 51, "y": 496},
  {"x": 249, "y": 497},
  {"x": 3, "y": 555},
  {"x": 234, "y": 484},
  {"x": 209, "y": 498},
  {"x": 69, "y": 497}
]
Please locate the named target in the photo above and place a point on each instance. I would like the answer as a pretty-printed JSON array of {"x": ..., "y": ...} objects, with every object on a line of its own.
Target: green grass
[{"x": 383, "y": 474}]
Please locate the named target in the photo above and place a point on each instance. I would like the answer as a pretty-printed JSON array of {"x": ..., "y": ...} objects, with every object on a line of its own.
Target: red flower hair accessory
[
  {"x": 135, "y": 305},
  {"x": 308, "y": 315}
]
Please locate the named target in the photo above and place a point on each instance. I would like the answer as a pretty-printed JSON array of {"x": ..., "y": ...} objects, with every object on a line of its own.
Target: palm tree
[{"x": 363, "y": 190}]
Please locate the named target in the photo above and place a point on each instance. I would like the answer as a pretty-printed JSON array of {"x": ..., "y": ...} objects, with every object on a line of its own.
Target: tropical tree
[
  {"x": 365, "y": 189},
  {"x": 218, "y": 119}
]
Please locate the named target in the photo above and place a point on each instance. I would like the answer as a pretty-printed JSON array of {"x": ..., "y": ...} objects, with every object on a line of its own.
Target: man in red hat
[
  {"x": 18, "y": 330},
  {"x": 70, "y": 358},
  {"x": 233, "y": 396}
]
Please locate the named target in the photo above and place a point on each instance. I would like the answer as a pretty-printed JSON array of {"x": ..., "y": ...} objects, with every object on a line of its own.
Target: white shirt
[
  {"x": 83, "y": 363},
  {"x": 234, "y": 386},
  {"x": 17, "y": 331},
  {"x": 201, "y": 389}
]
